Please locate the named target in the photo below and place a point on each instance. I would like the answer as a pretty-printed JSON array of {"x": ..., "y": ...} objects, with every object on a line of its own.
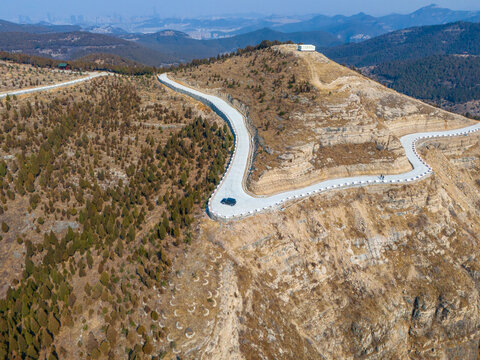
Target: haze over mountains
[
  {"x": 394, "y": 49},
  {"x": 41, "y": 28},
  {"x": 346, "y": 28},
  {"x": 158, "y": 42},
  {"x": 362, "y": 26}
]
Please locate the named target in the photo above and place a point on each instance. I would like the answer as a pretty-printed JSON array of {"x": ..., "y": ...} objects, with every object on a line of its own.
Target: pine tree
[
  {"x": 3, "y": 168},
  {"x": 53, "y": 324}
]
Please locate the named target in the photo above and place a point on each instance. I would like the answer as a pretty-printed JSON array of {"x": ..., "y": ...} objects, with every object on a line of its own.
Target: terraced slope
[
  {"x": 232, "y": 184},
  {"x": 375, "y": 272},
  {"x": 314, "y": 120}
]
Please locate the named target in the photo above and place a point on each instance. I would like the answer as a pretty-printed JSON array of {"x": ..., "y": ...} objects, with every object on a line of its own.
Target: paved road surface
[
  {"x": 54, "y": 86},
  {"x": 232, "y": 184}
]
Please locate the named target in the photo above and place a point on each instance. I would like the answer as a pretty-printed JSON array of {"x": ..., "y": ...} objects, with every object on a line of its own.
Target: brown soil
[
  {"x": 315, "y": 119},
  {"x": 380, "y": 272},
  {"x": 19, "y": 76}
]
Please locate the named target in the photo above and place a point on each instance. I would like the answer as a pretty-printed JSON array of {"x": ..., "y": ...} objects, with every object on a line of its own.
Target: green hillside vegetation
[
  {"x": 452, "y": 78},
  {"x": 413, "y": 43},
  {"x": 434, "y": 63},
  {"x": 64, "y": 172}
]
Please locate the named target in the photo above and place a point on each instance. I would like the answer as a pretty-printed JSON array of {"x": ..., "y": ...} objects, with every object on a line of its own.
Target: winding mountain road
[
  {"x": 51, "y": 87},
  {"x": 232, "y": 183}
]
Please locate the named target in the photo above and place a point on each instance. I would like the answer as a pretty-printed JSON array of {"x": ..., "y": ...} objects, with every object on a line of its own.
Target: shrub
[
  {"x": 3, "y": 168},
  {"x": 53, "y": 325},
  {"x": 112, "y": 335},
  {"x": 105, "y": 347},
  {"x": 148, "y": 348},
  {"x": 104, "y": 278},
  {"x": 141, "y": 330},
  {"x": 34, "y": 201}
]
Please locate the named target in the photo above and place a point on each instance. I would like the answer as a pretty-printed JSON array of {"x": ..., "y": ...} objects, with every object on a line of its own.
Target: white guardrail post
[{"x": 352, "y": 182}]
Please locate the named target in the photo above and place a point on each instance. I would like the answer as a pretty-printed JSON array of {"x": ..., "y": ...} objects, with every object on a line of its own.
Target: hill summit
[
  {"x": 378, "y": 272},
  {"x": 314, "y": 119}
]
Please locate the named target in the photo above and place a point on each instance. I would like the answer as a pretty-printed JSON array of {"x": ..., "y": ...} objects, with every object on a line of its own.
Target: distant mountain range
[
  {"x": 180, "y": 46},
  {"x": 412, "y": 43},
  {"x": 361, "y": 27},
  {"x": 41, "y": 28},
  {"x": 345, "y": 39},
  {"x": 346, "y": 29},
  {"x": 211, "y": 28},
  {"x": 75, "y": 45},
  {"x": 159, "y": 49}
]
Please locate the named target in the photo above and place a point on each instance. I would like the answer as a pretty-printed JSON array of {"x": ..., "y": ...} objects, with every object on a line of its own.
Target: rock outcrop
[
  {"x": 382, "y": 272},
  {"x": 313, "y": 119}
]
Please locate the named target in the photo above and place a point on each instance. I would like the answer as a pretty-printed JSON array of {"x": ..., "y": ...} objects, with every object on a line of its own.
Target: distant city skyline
[{"x": 54, "y": 10}]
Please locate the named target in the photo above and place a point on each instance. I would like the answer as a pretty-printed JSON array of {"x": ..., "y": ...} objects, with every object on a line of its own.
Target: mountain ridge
[
  {"x": 348, "y": 27},
  {"x": 179, "y": 45},
  {"x": 7, "y": 26},
  {"x": 411, "y": 43},
  {"x": 74, "y": 45}
]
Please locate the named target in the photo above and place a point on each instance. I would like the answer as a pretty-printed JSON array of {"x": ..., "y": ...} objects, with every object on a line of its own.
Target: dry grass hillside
[
  {"x": 314, "y": 119},
  {"x": 106, "y": 251},
  {"x": 385, "y": 272},
  {"x": 15, "y": 76}
]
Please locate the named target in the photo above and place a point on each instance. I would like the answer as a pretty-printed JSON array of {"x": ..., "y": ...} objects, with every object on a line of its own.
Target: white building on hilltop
[{"x": 305, "y": 47}]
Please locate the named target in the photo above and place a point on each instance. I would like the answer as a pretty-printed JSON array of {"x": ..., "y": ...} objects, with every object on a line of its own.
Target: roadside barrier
[
  {"x": 50, "y": 87},
  {"x": 418, "y": 163}
]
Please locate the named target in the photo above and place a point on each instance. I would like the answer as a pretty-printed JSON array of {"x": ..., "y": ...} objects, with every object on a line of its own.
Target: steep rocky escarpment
[
  {"x": 387, "y": 271},
  {"x": 381, "y": 272},
  {"x": 314, "y": 119},
  {"x": 373, "y": 273}
]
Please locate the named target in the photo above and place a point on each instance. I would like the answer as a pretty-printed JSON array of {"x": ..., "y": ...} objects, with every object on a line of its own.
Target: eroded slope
[
  {"x": 373, "y": 273},
  {"x": 314, "y": 119}
]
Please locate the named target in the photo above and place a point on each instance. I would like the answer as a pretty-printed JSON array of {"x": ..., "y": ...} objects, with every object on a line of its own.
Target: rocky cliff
[
  {"x": 382, "y": 272},
  {"x": 314, "y": 119},
  {"x": 385, "y": 272}
]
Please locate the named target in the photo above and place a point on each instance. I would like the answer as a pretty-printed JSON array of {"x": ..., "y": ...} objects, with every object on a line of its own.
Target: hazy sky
[{"x": 189, "y": 8}]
